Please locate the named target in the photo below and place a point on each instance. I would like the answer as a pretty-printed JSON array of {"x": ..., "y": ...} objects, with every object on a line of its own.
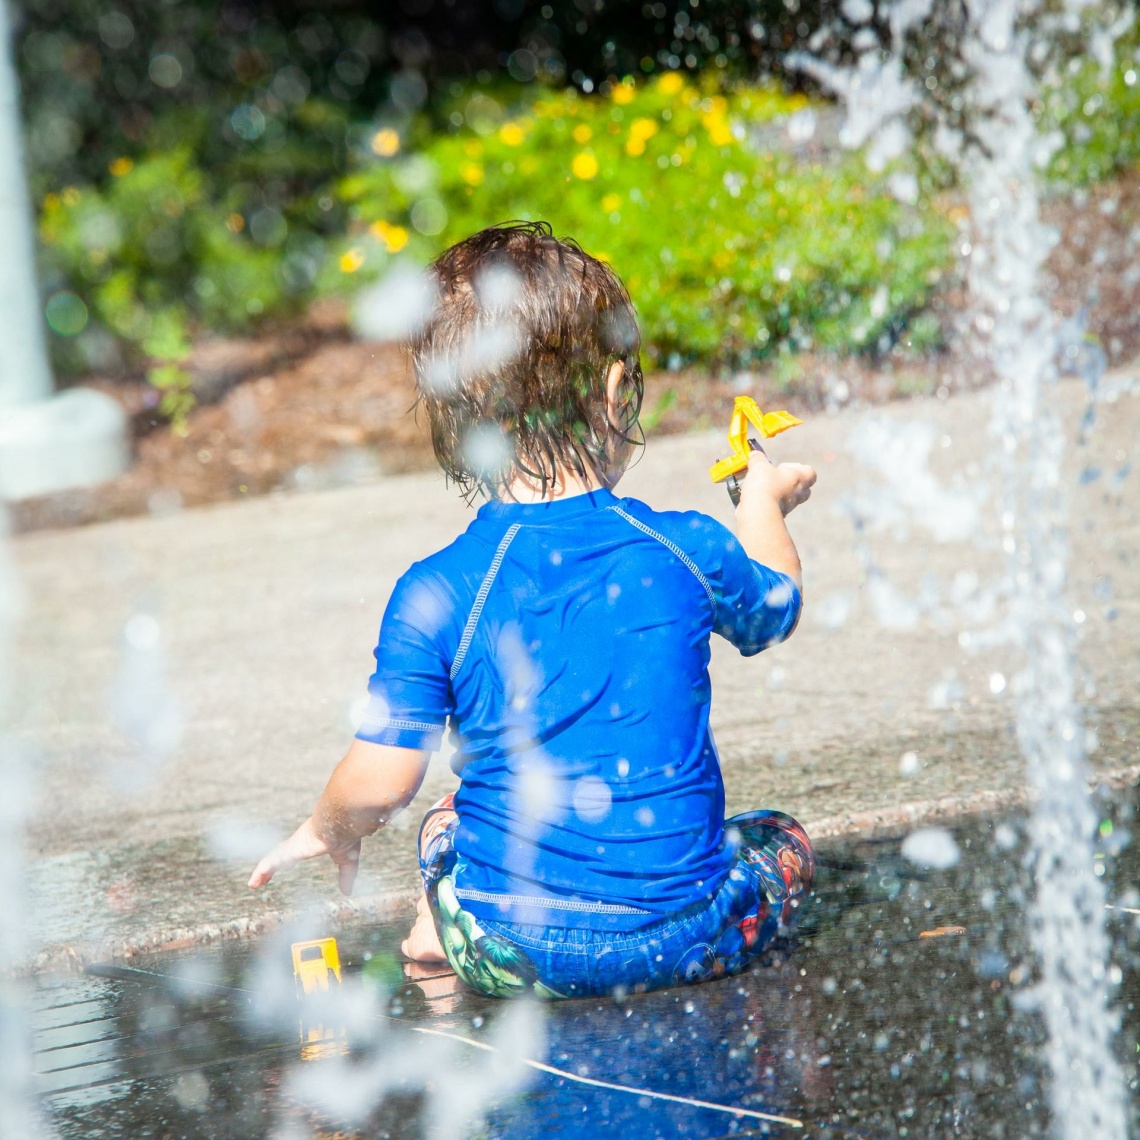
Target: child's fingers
[
  {"x": 262, "y": 873},
  {"x": 348, "y": 864},
  {"x": 277, "y": 860},
  {"x": 304, "y": 843}
]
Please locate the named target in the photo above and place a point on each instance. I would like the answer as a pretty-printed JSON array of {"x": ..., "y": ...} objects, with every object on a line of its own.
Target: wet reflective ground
[{"x": 907, "y": 1009}]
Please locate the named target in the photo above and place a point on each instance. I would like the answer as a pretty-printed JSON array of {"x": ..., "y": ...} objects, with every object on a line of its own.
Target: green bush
[
  {"x": 155, "y": 253},
  {"x": 155, "y": 239},
  {"x": 1097, "y": 112},
  {"x": 730, "y": 252}
]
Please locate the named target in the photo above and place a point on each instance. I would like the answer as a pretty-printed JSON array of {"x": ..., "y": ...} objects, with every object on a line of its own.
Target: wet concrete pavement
[
  {"x": 906, "y": 1009},
  {"x": 187, "y": 680}
]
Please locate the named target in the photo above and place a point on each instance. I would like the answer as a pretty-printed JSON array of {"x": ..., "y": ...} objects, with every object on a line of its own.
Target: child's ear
[{"x": 613, "y": 383}]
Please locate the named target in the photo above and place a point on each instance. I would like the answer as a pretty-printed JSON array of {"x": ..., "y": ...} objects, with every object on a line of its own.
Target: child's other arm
[
  {"x": 370, "y": 785},
  {"x": 771, "y": 492}
]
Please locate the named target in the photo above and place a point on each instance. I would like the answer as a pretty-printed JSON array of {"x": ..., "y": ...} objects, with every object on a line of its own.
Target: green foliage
[
  {"x": 157, "y": 235},
  {"x": 729, "y": 251},
  {"x": 158, "y": 251},
  {"x": 1097, "y": 113},
  {"x": 924, "y": 333},
  {"x": 166, "y": 341},
  {"x": 652, "y": 417},
  {"x": 219, "y": 217}
]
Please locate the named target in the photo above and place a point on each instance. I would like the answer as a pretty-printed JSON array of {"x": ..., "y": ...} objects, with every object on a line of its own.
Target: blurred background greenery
[{"x": 209, "y": 166}]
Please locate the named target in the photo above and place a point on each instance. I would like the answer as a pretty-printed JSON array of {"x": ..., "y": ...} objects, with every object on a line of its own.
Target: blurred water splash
[
  {"x": 141, "y": 704},
  {"x": 1010, "y": 244},
  {"x": 998, "y": 158},
  {"x": 369, "y": 1057},
  {"x": 18, "y": 1114}
]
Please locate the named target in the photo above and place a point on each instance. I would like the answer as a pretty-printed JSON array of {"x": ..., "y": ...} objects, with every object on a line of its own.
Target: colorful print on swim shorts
[
  {"x": 486, "y": 962},
  {"x": 756, "y": 905}
]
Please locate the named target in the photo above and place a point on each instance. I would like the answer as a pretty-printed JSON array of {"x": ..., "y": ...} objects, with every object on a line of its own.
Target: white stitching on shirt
[
  {"x": 397, "y": 723},
  {"x": 672, "y": 546},
  {"x": 578, "y": 905},
  {"x": 481, "y": 598}
]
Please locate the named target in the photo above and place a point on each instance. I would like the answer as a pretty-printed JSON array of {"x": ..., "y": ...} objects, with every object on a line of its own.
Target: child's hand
[
  {"x": 767, "y": 495},
  {"x": 306, "y": 843},
  {"x": 788, "y": 484}
]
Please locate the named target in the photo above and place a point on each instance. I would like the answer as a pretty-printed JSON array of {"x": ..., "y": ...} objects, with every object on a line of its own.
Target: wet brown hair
[{"x": 511, "y": 363}]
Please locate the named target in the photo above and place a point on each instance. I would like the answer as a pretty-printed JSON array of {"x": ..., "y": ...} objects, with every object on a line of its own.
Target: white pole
[
  {"x": 47, "y": 443},
  {"x": 24, "y": 373}
]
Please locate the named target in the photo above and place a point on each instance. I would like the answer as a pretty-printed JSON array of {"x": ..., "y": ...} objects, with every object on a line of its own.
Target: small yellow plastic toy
[
  {"x": 746, "y": 412},
  {"x": 315, "y": 963},
  {"x": 316, "y": 970}
]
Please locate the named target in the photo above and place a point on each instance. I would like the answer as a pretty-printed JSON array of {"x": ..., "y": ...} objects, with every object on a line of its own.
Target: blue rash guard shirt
[{"x": 567, "y": 643}]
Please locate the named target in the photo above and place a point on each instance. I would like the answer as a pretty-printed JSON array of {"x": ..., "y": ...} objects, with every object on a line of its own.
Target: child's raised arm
[
  {"x": 771, "y": 492},
  {"x": 370, "y": 785}
]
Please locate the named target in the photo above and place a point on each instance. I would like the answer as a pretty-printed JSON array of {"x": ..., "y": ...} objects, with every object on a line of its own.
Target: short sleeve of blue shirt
[
  {"x": 409, "y": 694},
  {"x": 756, "y": 606}
]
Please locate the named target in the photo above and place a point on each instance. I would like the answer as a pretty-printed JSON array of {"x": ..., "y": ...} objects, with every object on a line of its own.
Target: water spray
[{"x": 998, "y": 160}]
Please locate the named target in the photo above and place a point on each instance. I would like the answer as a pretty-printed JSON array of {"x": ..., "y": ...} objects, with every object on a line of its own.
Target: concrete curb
[
  {"x": 332, "y": 915},
  {"x": 885, "y": 821},
  {"x": 391, "y": 906}
]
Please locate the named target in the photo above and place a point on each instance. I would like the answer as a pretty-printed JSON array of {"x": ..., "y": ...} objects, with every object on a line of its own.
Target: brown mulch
[
  {"x": 309, "y": 407},
  {"x": 1096, "y": 265}
]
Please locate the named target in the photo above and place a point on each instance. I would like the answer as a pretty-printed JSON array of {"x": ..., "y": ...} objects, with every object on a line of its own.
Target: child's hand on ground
[
  {"x": 368, "y": 787},
  {"x": 789, "y": 484},
  {"x": 306, "y": 843}
]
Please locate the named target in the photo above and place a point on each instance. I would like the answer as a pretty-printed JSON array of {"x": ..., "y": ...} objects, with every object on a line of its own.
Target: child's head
[{"x": 515, "y": 365}]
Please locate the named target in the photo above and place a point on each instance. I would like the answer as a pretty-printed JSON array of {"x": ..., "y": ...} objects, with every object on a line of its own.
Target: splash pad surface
[{"x": 906, "y": 1009}]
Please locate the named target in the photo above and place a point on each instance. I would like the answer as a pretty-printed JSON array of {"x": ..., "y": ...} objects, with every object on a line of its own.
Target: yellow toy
[
  {"x": 746, "y": 412},
  {"x": 315, "y": 964},
  {"x": 316, "y": 970}
]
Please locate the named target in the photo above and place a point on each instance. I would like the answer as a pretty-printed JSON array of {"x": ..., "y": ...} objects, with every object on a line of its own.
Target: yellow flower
[
  {"x": 235, "y": 223},
  {"x": 611, "y": 202},
  {"x": 51, "y": 202},
  {"x": 473, "y": 148},
  {"x": 720, "y": 133},
  {"x": 584, "y": 166},
  {"x": 393, "y": 237},
  {"x": 472, "y": 173},
  {"x": 670, "y": 83},
  {"x": 351, "y": 261},
  {"x": 121, "y": 166},
  {"x": 71, "y": 196},
  {"x": 622, "y": 93},
  {"x": 582, "y": 133},
  {"x": 512, "y": 134},
  {"x": 385, "y": 143},
  {"x": 714, "y": 116},
  {"x": 639, "y": 131},
  {"x": 606, "y": 257}
]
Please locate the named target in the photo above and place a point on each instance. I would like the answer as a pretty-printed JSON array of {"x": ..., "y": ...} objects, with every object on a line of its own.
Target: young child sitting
[{"x": 564, "y": 636}]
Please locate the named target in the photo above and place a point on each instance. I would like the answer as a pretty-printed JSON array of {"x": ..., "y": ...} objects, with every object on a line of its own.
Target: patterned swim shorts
[{"x": 755, "y": 905}]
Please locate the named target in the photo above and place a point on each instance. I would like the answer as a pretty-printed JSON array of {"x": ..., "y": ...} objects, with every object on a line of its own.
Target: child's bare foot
[{"x": 422, "y": 943}]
